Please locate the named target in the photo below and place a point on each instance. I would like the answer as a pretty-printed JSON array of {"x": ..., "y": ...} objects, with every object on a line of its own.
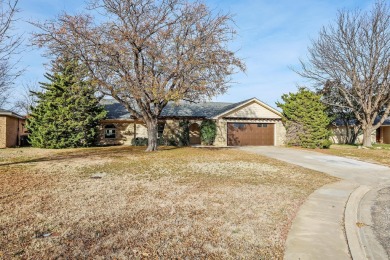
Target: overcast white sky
[{"x": 272, "y": 36}]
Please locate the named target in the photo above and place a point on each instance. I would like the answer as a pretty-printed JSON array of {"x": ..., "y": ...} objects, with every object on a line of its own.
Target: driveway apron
[{"x": 318, "y": 230}]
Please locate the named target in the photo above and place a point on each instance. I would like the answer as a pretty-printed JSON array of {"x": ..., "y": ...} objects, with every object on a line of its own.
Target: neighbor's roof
[
  {"x": 386, "y": 122},
  {"x": 351, "y": 122},
  {"x": 4, "y": 112},
  {"x": 184, "y": 109}
]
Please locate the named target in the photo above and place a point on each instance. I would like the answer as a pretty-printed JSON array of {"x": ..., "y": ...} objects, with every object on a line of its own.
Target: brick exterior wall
[
  {"x": 12, "y": 132},
  {"x": 9, "y": 126},
  {"x": 3, "y": 131}
]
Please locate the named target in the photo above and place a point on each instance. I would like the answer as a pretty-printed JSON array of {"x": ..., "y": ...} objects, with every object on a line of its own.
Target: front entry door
[{"x": 194, "y": 134}]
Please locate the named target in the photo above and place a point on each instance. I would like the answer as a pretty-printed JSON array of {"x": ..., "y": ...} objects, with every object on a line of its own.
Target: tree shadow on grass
[{"x": 105, "y": 151}]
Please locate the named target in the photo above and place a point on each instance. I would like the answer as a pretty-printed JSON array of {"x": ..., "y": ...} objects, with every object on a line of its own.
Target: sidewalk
[{"x": 327, "y": 225}]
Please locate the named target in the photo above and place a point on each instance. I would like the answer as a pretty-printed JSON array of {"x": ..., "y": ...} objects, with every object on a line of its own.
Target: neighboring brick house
[
  {"x": 12, "y": 129},
  {"x": 381, "y": 135},
  {"x": 250, "y": 122}
]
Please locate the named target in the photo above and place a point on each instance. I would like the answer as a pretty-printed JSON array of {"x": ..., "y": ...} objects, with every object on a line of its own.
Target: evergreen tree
[
  {"x": 67, "y": 112},
  {"x": 305, "y": 119}
]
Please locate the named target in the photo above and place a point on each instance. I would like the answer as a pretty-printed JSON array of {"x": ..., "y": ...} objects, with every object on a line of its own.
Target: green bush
[
  {"x": 208, "y": 131},
  {"x": 326, "y": 144},
  {"x": 140, "y": 141},
  {"x": 305, "y": 119},
  {"x": 167, "y": 141}
]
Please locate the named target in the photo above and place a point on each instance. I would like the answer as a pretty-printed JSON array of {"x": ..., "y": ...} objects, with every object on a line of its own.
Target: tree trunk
[
  {"x": 367, "y": 136},
  {"x": 151, "y": 126},
  {"x": 354, "y": 135}
]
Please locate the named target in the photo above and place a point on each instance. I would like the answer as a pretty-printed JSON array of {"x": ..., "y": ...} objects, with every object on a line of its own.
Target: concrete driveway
[{"x": 326, "y": 226}]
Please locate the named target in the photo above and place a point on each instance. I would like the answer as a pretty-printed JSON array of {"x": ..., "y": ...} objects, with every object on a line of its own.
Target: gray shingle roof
[
  {"x": 339, "y": 122},
  {"x": 386, "y": 122},
  {"x": 114, "y": 109},
  {"x": 184, "y": 109}
]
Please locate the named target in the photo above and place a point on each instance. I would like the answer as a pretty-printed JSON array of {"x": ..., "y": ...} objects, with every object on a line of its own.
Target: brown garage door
[{"x": 250, "y": 134}]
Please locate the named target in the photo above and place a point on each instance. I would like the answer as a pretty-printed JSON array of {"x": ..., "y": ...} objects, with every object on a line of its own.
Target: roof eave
[{"x": 12, "y": 114}]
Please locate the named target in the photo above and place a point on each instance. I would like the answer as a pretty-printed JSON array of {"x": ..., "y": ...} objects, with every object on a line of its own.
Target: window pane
[
  {"x": 239, "y": 125},
  {"x": 109, "y": 133}
]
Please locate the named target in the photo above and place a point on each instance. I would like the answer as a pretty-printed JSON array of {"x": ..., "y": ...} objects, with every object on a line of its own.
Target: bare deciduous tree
[
  {"x": 9, "y": 44},
  {"x": 27, "y": 99},
  {"x": 340, "y": 114},
  {"x": 352, "y": 56},
  {"x": 148, "y": 52}
]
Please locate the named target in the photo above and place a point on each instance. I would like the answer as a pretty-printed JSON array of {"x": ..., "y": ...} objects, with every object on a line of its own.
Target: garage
[{"x": 241, "y": 134}]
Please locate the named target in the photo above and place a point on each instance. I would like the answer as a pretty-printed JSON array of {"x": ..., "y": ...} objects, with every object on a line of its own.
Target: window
[
  {"x": 262, "y": 125},
  {"x": 110, "y": 131},
  {"x": 239, "y": 126}
]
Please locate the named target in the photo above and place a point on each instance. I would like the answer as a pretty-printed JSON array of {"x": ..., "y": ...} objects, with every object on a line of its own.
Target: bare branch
[
  {"x": 27, "y": 99},
  {"x": 148, "y": 52},
  {"x": 9, "y": 46}
]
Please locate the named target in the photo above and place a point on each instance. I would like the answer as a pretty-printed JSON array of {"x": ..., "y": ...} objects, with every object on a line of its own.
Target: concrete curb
[
  {"x": 352, "y": 224},
  {"x": 317, "y": 230},
  {"x": 362, "y": 241}
]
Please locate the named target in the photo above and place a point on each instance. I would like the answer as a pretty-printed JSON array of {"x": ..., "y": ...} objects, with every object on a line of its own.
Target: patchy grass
[
  {"x": 187, "y": 202},
  {"x": 379, "y": 153}
]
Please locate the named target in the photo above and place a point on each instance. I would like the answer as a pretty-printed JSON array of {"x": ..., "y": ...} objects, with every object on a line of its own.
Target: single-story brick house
[
  {"x": 381, "y": 135},
  {"x": 250, "y": 122},
  {"x": 12, "y": 129}
]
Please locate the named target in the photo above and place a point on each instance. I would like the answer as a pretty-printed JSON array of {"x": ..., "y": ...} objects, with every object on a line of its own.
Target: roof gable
[{"x": 252, "y": 108}]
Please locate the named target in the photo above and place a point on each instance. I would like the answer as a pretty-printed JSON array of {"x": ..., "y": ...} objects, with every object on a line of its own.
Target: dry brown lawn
[
  {"x": 379, "y": 154},
  {"x": 175, "y": 203}
]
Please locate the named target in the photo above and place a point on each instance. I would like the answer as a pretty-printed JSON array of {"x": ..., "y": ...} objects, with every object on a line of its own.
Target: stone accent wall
[
  {"x": 173, "y": 130},
  {"x": 221, "y": 137},
  {"x": 280, "y": 134},
  {"x": 124, "y": 132}
]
